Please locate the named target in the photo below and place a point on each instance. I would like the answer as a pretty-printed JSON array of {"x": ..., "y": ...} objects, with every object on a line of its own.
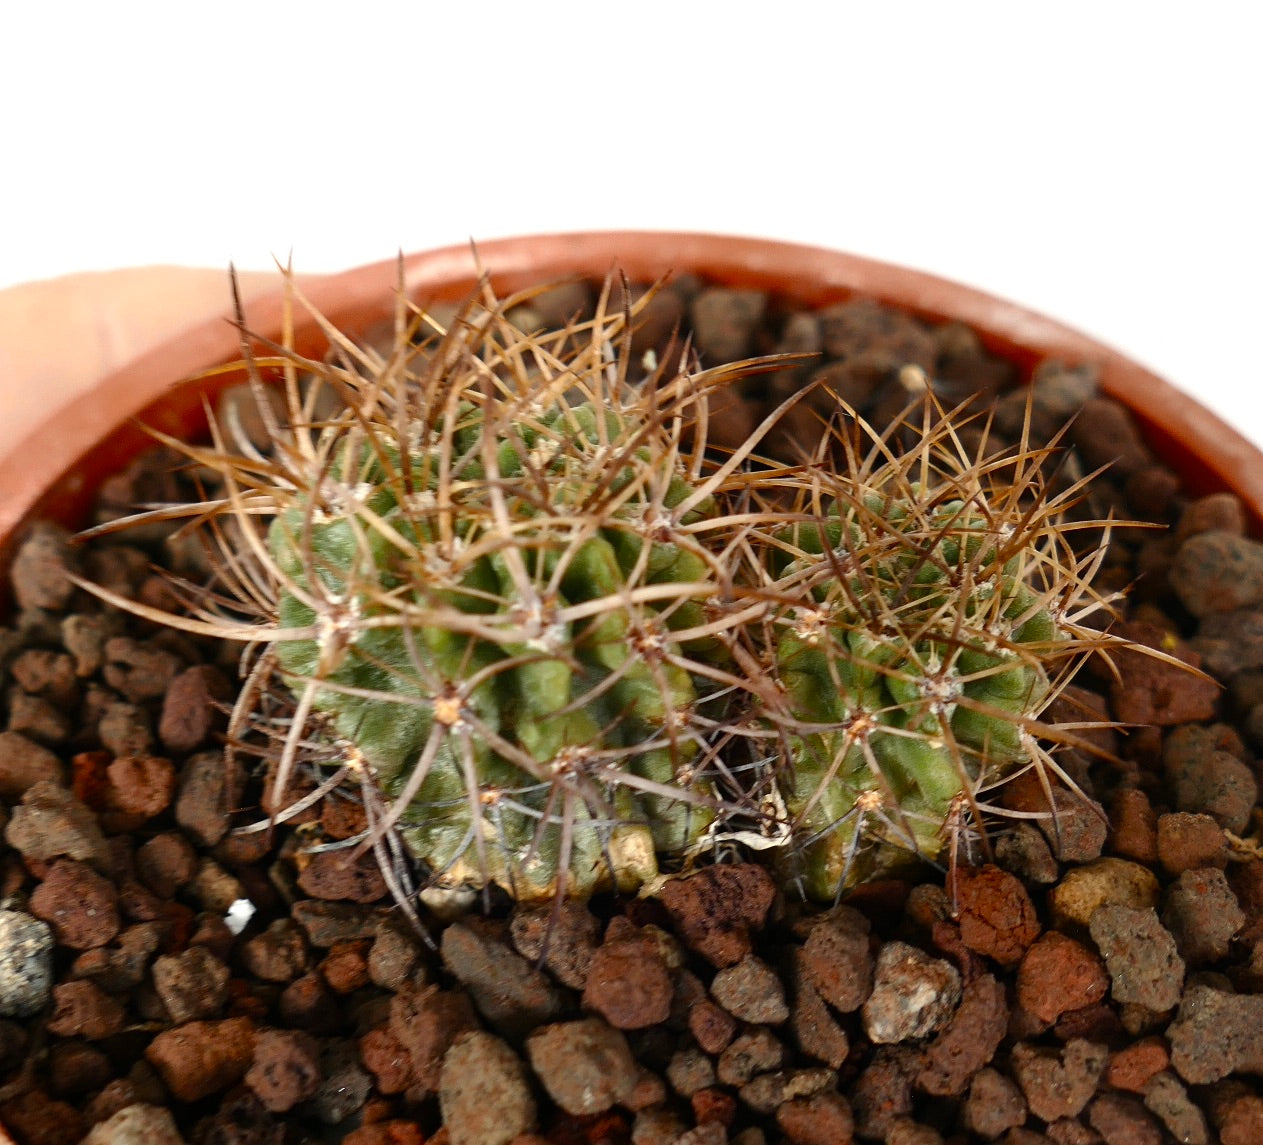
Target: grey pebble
[
  {"x": 913, "y": 995},
  {"x": 26, "y": 964}
]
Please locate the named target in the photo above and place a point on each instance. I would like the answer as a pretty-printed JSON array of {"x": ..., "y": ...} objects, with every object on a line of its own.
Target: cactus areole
[{"x": 560, "y": 639}]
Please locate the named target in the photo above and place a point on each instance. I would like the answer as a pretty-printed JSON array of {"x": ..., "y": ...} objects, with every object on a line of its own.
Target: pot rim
[{"x": 54, "y": 469}]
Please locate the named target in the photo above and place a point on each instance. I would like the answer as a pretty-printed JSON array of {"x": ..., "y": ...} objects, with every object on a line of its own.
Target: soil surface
[{"x": 1097, "y": 977}]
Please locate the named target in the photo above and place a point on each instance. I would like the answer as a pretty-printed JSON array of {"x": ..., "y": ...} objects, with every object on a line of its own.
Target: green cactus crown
[{"x": 507, "y": 586}]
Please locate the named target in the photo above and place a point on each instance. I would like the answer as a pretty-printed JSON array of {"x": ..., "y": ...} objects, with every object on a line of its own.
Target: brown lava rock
[
  {"x": 970, "y": 1040},
  {"x": 483, "y": 1092},
  {"x": 716, "y": 909},
  {"x": 836, "y": 959},
  {"x": 1058, "y": 974},
  {"x": 285, "y": 1069},
  {"x": 629, "y": 984},
  {"x": 997, "y": 917},
  {"x": 341, "y": 877},
  {"x": 80, "y": 905},
  {"x": 197, "y": 1059}
]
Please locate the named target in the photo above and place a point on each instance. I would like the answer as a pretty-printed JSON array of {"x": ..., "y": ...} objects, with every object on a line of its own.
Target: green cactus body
[
  {"x": 912, "y": 658},
  {"x": 507, "y": 634}
]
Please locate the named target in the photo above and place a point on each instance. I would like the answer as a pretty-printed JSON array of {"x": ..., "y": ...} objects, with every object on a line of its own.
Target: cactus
[
  {"x": 497, "y": 580},
  {"x": 511, "y": 590},
  {"x": 925, "y": 610}
]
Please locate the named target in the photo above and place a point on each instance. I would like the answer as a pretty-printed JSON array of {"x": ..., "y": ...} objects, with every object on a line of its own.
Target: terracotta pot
[{"x": 54, "y": 472}]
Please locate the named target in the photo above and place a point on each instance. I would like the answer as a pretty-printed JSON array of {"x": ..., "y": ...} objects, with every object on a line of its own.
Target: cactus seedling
[{"x": 926, "y": 608}]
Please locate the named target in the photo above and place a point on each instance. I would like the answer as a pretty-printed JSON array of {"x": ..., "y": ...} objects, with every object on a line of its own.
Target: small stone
[
  {"x": 724, "y": 321},
  {"x": 1207, "y": 778},
  {"x": 345, "y": 1083},
  {"x": 586, "y": 1065},
  {"x": 1131, "y": 1067},
  {"x": 123, "y": 728},
  {"x": 1217, "y": 571},
  {"x": 766, "y": 1092},
  {"x": 1166, "y": 1097},
  {"x": 1144, "y": 966},
  {"x": 200, "y": 1058},
  {"x": 192, "y": 707},
  {"x": 139, "y": 788},
  {"x": 1058, "y": 1083},
  {"x": 1242, "y": 1122},
  {"x": 345, "y": 967},
  {"x": 713, "y": 1105},
  {"x": 279, "y": 954},
  {"x": 51, "y": 822},
  {"x": 913, "y": 995},
  {"x": 815, "y": 1029},
  {"x": 970, "y": 1040},
  {"x": 1058, "y": 974},
  {"x": 1203, "y": 915},
  {"x": 426, "y": 1021},
  {"x": 387, "y": 1059},
  {"x": 82, "y": 1010},
  {"x": 83, "y": 635},
  {"x": 1133, "y": 826},
  {"x": 1215, "y": 1034},
  {"x": 1074, "y": 900},
  {"x": 24, "y": 763},
  {"x": 565, "y": 937},
  {"x": 824, "y": 1119},
  {"x": 690, "y": 1070},
  {"x": 395, "y": 957},
  {"x": 751, "y": 992},
  {"x": 882, "y": 1093},
  {"x": 753, "y": 1052},
  {"x": 137, "y": 1124},
  {"x": 1187, "y": 842},
  {"x": 508, "y": 991},
  {"x": 285, "y": 1069},
  {"x": 712, "y": 1026},
  {"x": 201, "y": 805},
  {"x": 39, "y": 569},
  {"x": 994, "y": 1104},
  {"x": 997, "y": 917},
  {"x": 836, "y": 958},
  {"x": 26, "y": 964},
  {"x": 1023, "y": 851},
  {"x": 716, "y": 909},
  {"x": 1148, "y": 692},
  {"x": 1123, "y": 1120},
  {"x": 336, "y": 876},
  {"x": 138, "y": 671},
  {"x": 629, "y": 984},
  {"x": 165, "y": 863},
  {"x": 80, "y": 905},
  {"x": 192, "y": 984}
]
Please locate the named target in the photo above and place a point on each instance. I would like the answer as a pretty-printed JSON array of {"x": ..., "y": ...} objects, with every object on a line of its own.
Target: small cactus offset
[
  {"x": 556, "y": 637},
  {"x": 925, "y": 610}
]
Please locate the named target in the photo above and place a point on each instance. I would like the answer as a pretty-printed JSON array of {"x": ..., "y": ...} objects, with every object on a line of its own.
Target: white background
[{"x": 1096, "y": 161}]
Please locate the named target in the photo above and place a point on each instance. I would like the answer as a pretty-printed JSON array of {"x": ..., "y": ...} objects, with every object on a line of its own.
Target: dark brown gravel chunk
[
  {"x": 285, "y": 1069},
  {"x": 192, "y": 984},
  {"x": 1215, "y": 1034},
  {"x": 340, "y": 877},
  {"x": 970, "y": 1040},
  {"x": 192, "y": 708},
  {"x": 716, "y": 909},
  {"x": 565, "y": 937},
  {"x": 629, "y": 984},
  {"x": 711, "y": 1026},
  {"x": 80, "y": 905},
  {"x": 1187, "y": 842},
  {"x": 83, "y": 1010},
  {"x": 994, "y": 1104},
  {"x": 24, "y": 763},
  {"x": 426, "y": 1021},
  {"x": 1058, "y": 1084},
  {"x": 836, "y": 958},
  {"x": 1123, "y": 1120},
  {"x": 39, "y": 569}
]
